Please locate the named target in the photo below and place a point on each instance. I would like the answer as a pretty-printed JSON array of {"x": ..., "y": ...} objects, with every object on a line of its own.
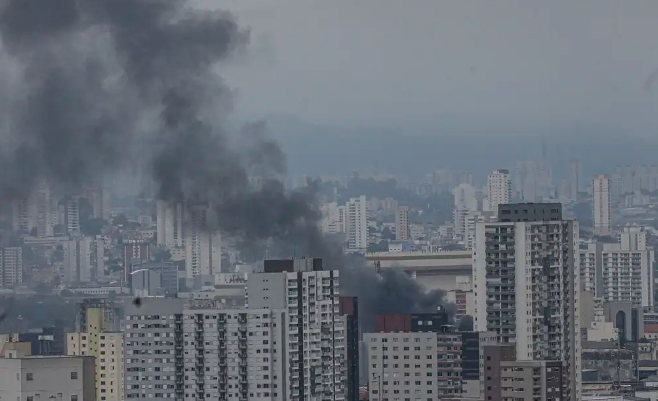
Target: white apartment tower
[
  {"x": 170, "y": 224},
  {"x": 73, "y": 215},
  {"x": 357, "y": 223},
  {"x": 620, "y": 271},
  {"x": 465, "y": 203},
  {"x": 601, "y": 205},
  {"x": 314, "y": 345},
  {"x": 499, "y": 189},
  {"x": 402, "y": 223},
  {"x": 203, "y": 248},
  {"x": 44, "y": 201},
  {"x": 527, "y": 285}
]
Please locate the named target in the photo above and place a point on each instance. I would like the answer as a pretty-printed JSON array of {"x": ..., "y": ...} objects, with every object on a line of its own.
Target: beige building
[
  {"x": 107, "y": 348},
  {"x": 32, "y": 378},
  {"x": 402, "y": 224},
  {"x": 508, "y": 379}
]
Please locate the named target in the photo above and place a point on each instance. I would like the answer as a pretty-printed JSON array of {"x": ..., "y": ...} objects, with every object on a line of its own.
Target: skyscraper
[
  {"x": 601, "y": 205},
  {"x": 465, "y": 203},
  {"x": 357, "y": 223},
  {"x": 527, "y": 283},
  {"x": 170, "y": 224},
  {"x": 574, "y": 179},
  {"x": 499, "y": 189},
  {"x": 402, "y": 223}
]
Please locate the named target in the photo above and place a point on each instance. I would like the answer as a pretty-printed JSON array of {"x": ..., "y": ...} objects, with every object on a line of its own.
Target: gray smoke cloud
[{"x": 90, "y": 86}]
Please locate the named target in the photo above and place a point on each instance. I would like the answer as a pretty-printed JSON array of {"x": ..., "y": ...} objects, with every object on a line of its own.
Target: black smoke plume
[{"x": 90, "y": 86}]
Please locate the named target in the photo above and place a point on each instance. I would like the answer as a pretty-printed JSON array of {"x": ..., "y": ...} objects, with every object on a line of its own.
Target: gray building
[
  {"x": 168, "y": 276},
  {"x": 33, "y": 378},
  {"x": 153, "y": 349},
  {"x": 516, "y": 212},
  {"x": 508, "y": 379}
]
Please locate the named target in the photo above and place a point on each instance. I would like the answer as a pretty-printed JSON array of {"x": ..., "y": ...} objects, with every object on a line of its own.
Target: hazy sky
[{"x": 394, "y": 61}]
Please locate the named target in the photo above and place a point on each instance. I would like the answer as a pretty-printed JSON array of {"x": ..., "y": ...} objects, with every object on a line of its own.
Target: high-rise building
[
  {"x": 402, "y": 223},
  {"x": 73, "y": 215},
  {"x": 154, "y": 362},
  {"x": 288, "y": 344},
  {"x": 621, "y": 271},
  {"x": 134, "y": 252},
  {"x": 44, "y": 205},
  {"x": 167, "y": 273},
  {"x": 106, "y": 346},
  {"x": 499, "y": 189},
  {"x": 203, "y": 247},
  {"x": 11, "y": 266},
  {"x": 527, "y": 286},
  {"x": 83, "y": 260},
  {"x": 20, "y": 216},
  {"x": 170, "y": 224},
  {"x": 465, "y": 203},
  {"x": 315, "y": 340},
  {"x": 349, "y": 311},
  {"x": 601, "y": 205},
  {"x": 357, "y": 223},
  {"x": 574, "y": 180}
]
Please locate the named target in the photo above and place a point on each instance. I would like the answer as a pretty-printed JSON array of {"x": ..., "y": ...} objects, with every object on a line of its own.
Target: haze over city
[{"x": 305, "y": 200}]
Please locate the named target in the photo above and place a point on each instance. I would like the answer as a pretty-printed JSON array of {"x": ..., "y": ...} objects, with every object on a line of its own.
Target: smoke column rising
[{"x": 92, "y": 85}]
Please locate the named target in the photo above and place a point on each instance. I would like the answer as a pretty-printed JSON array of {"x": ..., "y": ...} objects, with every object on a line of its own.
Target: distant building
[
  {"x": 499, "y": 189},
  {"x": 134, "y": 252},
  {"x": 621, "y": 271},
  {"x": 601, "y": 205},
  {"x": 402, "y": 224},
  {"x": 167, "y": 273},
  {"x": 11, "y": 266},
  {"x": 357, "y": 223}
]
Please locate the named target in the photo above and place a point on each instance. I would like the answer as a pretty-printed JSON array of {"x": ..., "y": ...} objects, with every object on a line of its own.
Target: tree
[
  {"x": 381, "y": 246},
  {"x": 387, "y": 234}
]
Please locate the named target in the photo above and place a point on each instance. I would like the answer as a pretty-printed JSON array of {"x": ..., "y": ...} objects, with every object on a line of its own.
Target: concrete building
[
  {"x": 527, "y": 284},
  {"x": 288, "y": 344},
  {"x": 357, "y": 223},
  {"x": 83, "y": 260},
  {"x": 316, "y": 342},
  {"x": 601, "y": 205},
  {"x": 415, "y": 356},
  {"x": 44, "y": 206},
  {"x": 106, "y": 347},
  {"x": 402, "y": 223},
  {"x": 621, "y": 271},
  {"x": 331, "y": 218},
  {"x": 168, "y": 276},
  {"x": 153, "y": 349},
  {"x": 31, "y": 378},
  {"x": 72, "y": 216},
  {"x": 203, "y": 247},
  {"x": 510, "y": 379},
  {"x": 465, "y": 203},
  {"x": 349, "y": 311},
  {"x": 20, "y": 216},
  {"x": 170, "y": 224},
  {"x": 11, "y": 266},
  {"x": 134, "y": 252},
  {"x": 499, "y": 189}
]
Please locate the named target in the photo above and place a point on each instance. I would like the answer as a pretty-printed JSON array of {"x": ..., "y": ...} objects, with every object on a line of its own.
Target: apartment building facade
[{"x": 527, "y": 286}]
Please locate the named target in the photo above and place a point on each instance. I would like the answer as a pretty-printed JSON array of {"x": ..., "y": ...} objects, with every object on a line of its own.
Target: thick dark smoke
[{"x": 90, "y": 86}]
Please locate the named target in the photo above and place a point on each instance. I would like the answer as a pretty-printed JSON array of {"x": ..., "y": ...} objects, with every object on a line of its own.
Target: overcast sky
[{"x": 394, "y": 61}]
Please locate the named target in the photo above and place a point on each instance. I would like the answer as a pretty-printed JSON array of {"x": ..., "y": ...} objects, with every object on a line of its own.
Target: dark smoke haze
[{"x": 90, "y": 86}]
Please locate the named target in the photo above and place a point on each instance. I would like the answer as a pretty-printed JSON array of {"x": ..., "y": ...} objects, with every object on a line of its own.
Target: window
[
  {"x": 29, "y": 377},
  {"x": 74, "y": 397},
  {"x": 74, "y": 376}
]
